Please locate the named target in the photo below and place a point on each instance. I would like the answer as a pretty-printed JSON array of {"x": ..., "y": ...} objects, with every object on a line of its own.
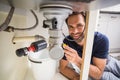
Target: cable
[
  {"x": 30, "y": 28},
  {"x": 11, "y": 28},
  {"x": 4, "y": 25}
]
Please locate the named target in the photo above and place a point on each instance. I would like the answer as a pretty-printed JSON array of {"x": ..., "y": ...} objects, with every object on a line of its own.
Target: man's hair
[{"x": 77, "y": 13}]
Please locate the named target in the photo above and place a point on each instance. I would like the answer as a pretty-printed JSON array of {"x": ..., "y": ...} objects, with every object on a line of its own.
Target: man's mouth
[{"x": 76, "y": 36}]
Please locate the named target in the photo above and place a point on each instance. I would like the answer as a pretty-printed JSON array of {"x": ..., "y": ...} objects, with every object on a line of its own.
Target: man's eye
[
  {"x": 70, "y": 27},
  {"x": 79, "y": 26}
]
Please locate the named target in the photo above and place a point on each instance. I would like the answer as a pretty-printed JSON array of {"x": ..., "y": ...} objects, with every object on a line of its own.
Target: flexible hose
[
  {"x": 8, "y": 19},
  {"x": 30, "y": 28}
]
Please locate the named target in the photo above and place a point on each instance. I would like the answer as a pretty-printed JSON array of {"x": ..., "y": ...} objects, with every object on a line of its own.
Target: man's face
[{"x": 76, "y": 25}]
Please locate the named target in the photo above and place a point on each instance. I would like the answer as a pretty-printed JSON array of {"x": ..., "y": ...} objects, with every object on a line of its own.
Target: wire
[
  {"x": 30, "y": 28},
  {"x": 5, "y": 24}
]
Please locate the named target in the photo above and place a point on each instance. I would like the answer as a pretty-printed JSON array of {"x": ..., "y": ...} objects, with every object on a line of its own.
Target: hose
[
  {"x": 30, "y": 28},
  {"x": 5, "y": 24}
]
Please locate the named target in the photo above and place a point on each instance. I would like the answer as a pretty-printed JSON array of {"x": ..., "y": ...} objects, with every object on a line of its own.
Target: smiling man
[{"x": 71, "y": 62}]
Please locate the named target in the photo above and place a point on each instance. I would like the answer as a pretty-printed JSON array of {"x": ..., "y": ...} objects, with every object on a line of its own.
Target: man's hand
[
  {"x": 72, "y": 55},
  {"x": 76, "y": 78}
]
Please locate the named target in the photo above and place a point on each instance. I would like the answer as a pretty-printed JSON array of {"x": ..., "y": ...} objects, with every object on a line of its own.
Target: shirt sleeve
[{"x": 101, "y": 47}]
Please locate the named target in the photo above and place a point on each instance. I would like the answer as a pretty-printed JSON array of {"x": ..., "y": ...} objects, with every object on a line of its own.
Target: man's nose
[{"x": 75, "y": 30}]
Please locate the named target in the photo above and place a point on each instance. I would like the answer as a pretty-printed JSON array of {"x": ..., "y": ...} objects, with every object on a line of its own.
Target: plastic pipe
[{"x": 27, "y": 38}]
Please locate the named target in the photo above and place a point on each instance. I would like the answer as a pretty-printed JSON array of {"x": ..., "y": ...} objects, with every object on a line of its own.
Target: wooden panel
[{"x": 91, "y": 23}]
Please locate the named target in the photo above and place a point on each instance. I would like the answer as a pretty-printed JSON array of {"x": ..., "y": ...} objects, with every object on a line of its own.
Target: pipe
[{"x": 27, "y": 39}]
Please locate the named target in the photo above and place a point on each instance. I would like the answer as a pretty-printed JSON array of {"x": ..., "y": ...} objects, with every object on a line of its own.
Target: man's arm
[
  {"x": 96, "y": 70},
  {"x": 67, "y": 71}
]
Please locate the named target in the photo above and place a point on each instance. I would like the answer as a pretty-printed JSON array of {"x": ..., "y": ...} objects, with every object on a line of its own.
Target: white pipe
[{"x": 27, "y": 38}]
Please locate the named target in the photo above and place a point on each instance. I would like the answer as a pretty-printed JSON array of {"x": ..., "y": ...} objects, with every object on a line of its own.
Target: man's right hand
[{"x": 72, "y": 55}]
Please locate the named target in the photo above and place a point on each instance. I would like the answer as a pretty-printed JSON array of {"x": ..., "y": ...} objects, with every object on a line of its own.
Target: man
[{"x": 74, "y": 46}]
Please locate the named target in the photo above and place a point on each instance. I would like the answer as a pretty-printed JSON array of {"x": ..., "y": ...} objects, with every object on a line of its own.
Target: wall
[{"x": 11, "y": 66}]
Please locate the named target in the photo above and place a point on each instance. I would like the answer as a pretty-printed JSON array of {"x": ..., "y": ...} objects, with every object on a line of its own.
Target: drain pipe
[{"x": 27, "y": 39}]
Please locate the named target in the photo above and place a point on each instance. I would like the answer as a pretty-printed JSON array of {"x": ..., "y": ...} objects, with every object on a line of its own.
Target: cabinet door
[
  {"x": 103, "y": 23},
  {"x": 109, "y": 24},
  {"x": 114, "y": 31}
]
